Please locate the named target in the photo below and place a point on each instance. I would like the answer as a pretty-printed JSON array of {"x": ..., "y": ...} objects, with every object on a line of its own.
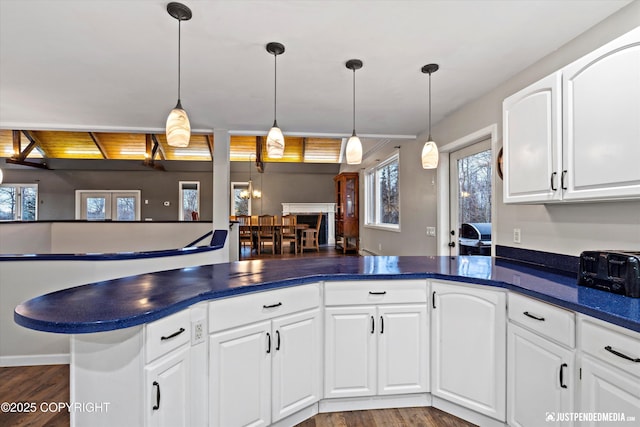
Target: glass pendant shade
[
  {"x": 354, "y": 151},
  {"x": 178, "y": 128},
  {"x": 275, "y": 142},
  {"x": 430, "y": 155}
]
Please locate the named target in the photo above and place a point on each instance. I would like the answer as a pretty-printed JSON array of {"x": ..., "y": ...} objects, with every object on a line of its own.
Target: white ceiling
[{"x": 112, "y": 64}]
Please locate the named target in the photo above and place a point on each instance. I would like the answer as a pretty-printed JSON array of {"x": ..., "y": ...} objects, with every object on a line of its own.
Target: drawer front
[
  {"x": 166, "y": 334},
  {"x": 611, "y": 344},
  {"x": 553, "y": 322},
  {"x": 241, "y": 310},
  {"x": 375, "y": 292}
]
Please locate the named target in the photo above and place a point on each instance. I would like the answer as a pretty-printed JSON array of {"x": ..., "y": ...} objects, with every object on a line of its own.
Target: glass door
[{"x": 470, "y": 205}]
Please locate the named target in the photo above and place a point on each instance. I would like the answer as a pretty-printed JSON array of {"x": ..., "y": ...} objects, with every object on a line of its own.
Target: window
[
  {"x": 99, "y": 205},
  {"x": 18, "y": 202},
  {"x": 382, "y": 194},
  {"x": 240, "y": 205},
  {"x": 189, "y": 201}
]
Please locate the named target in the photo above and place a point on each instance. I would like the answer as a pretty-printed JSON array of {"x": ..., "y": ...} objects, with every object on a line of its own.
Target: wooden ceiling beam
[
  {"x": 259, "y": 162},
  {"x": 99, "y": 145},
  {"x": 209, "y": 139},
  {"x": 20, "y": 155},
  {"x": 160, "y": 150}
]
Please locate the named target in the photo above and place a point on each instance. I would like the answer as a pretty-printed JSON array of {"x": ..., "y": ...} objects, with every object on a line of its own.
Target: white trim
[
  {"x": 443, "y": 200},
  {"x": 181, "y": 198},
  {"x": 375, "y": 402},
  {"x": 91, "y": 128},
  {"x": 311, "y": 208},
  {"x": 465, "y": 413},
  {"x": 137, "y": 194},
  {"x": 240, "y": 132},
  {"x": 34, "y": 360}
]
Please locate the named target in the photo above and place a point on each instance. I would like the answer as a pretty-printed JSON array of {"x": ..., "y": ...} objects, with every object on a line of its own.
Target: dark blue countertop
[{"x": 136, "y": 300}]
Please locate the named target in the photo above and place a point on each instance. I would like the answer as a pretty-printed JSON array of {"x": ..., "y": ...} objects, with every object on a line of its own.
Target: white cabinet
[
  {"x": 540, "y": 363},
  {"x": 379, "y": 347},
  {"x": 609, "y": 371},
  {"x": 167, "y": 400},
  {"x": 468, "y": 347},
  {"x": 574, "y": 134},
  {"x": 532, "y": 126},
  {"x": 269, "y": 369}
]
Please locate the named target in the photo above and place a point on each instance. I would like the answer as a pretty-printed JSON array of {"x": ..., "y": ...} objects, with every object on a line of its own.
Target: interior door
[{"x": 470, "y": 177}]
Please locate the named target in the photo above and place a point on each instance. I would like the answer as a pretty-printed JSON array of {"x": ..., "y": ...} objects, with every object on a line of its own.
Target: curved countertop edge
[{"x": 22, "y": 317}]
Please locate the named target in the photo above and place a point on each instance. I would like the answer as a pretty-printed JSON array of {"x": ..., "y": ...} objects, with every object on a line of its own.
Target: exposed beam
[
  {"x": 151, "y": 149},
  {"x": 99, "y": 145},
  {"x": 208, "y": 138},
  {"x": 20, "y": 155},
  {"x": 259, "y": 162},
  {"x": 160, "y": 147}
]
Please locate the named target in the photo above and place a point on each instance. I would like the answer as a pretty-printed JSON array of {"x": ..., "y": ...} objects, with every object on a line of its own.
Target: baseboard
[
  {"x": 466, "y": 414},
  {"x": 365, "y": 252},
  {"x": 295, "y": 419},
  {"x": 375, "y": 402},
  {"x": 31, "y": 360}
]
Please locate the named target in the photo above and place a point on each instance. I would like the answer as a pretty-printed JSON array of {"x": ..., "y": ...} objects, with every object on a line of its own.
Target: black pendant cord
[
  {"x": 354, "y": 102},
  {"x": 429, "y": 139},
  {"x": 275, "y": 89},
  {"x": 179, "y": 44}
]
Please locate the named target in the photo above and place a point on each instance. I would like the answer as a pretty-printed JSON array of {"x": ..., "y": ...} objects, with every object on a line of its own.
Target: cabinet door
[
  {"x": 240, "y": 376},
  {"x": 601, "y": 104},
  {"x": 604, "y": 389},
  {"x": 539, "y": 379},
  {"x": 468, "y": 347},
  {"x": 350, "y": 351},
  {"x": 167, "y": 390},
  {"x": 296, "y": 374},
  {"x": 532, "y": 142},
  {"x": 403, "y": 358}
]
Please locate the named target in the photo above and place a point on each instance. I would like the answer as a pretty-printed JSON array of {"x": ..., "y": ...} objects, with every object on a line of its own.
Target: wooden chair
[
  {"x": 289, "y": 233},
  {"x": 310, "y": 237},
  {"x": 246, "y": 236},
  {"x": 266, "y": 233}
]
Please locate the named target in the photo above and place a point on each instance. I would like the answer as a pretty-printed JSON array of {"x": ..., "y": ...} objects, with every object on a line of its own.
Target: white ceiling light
[
  {"x": 354, "y": 146},
  {"x": 178, "y": 127},
  {"x": 430, "y": 150},
  {"x": 275, "y": 138}
]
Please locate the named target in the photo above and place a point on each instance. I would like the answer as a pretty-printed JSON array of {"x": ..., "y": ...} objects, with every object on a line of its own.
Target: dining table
[{"x": 253, "y": 230}]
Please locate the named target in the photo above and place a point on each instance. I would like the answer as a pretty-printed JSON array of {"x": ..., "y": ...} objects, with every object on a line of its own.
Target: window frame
[
  {"x": 235, "y": 185},
  {"x": 18, "y": 214},
  {"x": 110, "y": 196},
  {"x": 181, "y": 191},
  {"x": 372, "y": 195}
]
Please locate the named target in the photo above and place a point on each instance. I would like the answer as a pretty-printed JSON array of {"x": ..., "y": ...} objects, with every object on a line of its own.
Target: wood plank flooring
[{"x": 46, "y": 384}]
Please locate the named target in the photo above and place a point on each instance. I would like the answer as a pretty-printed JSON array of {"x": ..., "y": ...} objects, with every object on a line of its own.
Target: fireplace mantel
[{"x": 315, "y": 208}]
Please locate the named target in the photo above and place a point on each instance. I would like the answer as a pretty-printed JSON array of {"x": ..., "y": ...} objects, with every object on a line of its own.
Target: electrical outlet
[
  {"x": 379, "y": 246},
  {"x": 197, "y": 331},
  {"x": 517, "y": 235},
  {"x": 431, "y": 231}
]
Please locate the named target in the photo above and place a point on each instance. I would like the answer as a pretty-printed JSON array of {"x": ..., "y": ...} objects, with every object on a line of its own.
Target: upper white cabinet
[
  {"x": 533, "y": 142},
  {"x": 468, "y": 329},
  {"x": 575, "y": 135}
]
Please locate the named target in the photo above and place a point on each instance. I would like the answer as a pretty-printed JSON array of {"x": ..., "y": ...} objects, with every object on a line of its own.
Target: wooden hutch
[{"x": 347, "y": 208}]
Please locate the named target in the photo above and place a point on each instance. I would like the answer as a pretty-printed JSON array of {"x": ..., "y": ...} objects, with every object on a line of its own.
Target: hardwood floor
[
  {"x": 325, "y": 251},
  {"x": 50, "y": 384}
]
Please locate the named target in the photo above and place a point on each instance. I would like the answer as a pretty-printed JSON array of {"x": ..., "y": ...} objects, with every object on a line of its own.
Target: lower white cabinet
[
  {"x": 540, "y": 380},
  {"x": 167, "y": 397},
  {"x": 376, "y": 350},
  {"x": 265, "y": 371},
  {"x": 609, "y": 372},
  {"x": 468, "y": 347}
]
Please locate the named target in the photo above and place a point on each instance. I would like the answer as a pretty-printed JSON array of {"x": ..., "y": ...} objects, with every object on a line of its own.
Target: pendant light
[
  {"x": 178, "y": 128},
  {"x": 250, "y": 193},
  {"x": 275, "y": 138},
  {"x": 1, "y": 176},
  {"x": 354, "y": 146},
  {"x": 430, "y": 149}
]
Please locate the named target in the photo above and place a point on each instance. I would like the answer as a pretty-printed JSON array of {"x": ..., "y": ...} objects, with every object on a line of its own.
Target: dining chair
[
  {"x": 288, "y": 233},
  {"x": 266, "y": 233},
  {"x": 246, "y": 236},
  {"x": 310, "y": 236}
]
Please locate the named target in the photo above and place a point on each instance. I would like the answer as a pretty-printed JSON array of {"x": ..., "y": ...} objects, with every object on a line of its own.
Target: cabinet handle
[
  {"x": 373, "y": 324},
  {"x": 381, "y": 325},
  {"x": 278, "y": 344},
  {"x": 157, "y": 405},
  {"x": 533, "y": 316},
  {"x": 624, "y": 356},
  {"x": 562, "y": 180},
  {"x": 562, "y": 384},
  {"x": 272, "y": 305},
  {"x": 553, "y": 181},
  {"x": 173, "y": 335},
  {"x": 268, "y": 343},
  {"x": 377, "y": 293},
  {"x": 433, "y": 299}
]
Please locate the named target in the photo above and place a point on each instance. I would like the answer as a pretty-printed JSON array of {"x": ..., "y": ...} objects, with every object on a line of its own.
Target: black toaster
[{"x": 611, "y": 271}]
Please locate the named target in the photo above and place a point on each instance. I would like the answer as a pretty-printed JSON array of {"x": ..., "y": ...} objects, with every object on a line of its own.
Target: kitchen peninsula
[{"x": 284, "y": 328}]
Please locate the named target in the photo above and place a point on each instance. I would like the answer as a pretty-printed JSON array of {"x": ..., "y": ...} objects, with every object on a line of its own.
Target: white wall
[{"x": 564, "y": 228}]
